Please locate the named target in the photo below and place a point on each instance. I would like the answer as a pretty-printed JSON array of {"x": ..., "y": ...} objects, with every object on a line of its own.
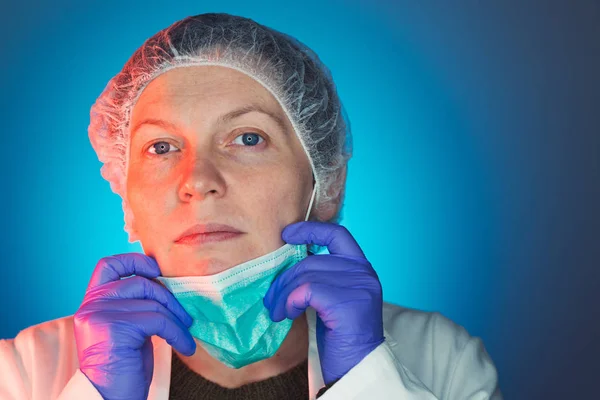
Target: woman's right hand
[{"x": 114, "y": 324}]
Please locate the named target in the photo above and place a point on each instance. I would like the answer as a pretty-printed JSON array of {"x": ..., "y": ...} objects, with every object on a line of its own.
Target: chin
[
  {"x": 208, "y": 259},
  {"x": 198, "y": 266}
]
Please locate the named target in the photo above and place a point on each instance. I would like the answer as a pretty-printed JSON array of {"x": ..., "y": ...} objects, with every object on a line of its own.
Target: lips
[{"x": 210, "y": 232}]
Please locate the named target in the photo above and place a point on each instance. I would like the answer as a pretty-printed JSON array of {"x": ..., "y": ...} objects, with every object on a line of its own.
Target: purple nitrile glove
[
  {"x": 341, "y": 286},
  {"x": 114, "y": 324}
]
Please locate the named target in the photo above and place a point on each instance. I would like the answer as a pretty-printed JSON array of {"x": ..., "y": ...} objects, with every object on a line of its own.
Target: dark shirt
[{"x": 188, "y": 385}]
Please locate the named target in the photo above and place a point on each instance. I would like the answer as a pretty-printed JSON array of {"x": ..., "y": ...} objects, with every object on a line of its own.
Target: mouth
[
  {"x": 200, "y": 238},
  {"x": 208, "y": 233}
]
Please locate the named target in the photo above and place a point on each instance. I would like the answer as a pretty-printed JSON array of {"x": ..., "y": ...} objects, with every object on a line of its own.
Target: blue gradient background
[{"x": 473, "y": 188}]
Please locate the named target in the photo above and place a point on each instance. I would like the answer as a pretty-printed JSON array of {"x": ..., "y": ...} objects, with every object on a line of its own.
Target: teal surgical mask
[{"x": 230, "y": 319}]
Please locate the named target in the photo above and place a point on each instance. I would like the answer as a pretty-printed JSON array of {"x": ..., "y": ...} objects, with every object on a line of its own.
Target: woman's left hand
[{"x": 341, "y": 286}]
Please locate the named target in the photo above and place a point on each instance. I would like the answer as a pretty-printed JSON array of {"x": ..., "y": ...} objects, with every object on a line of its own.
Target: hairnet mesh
[{"x": 292, "y": 72}]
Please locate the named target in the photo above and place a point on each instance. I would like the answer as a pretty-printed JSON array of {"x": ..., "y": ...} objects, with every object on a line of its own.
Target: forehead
[{"x": 210, "y": 88}]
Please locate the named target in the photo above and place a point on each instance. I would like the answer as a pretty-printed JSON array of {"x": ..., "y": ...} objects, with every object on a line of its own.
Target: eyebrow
[{"x": 221, "y": 120}]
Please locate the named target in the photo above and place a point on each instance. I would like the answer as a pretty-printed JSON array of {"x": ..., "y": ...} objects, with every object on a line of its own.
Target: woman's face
[{"x": 201, "y": 153}]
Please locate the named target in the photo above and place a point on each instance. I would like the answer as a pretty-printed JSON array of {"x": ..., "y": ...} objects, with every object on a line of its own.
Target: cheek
[
  {"x": 275, "y": 197},
  {"x": 151, "y": 196}
]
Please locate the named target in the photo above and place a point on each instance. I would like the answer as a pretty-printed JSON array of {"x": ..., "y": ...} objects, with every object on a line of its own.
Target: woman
[{"x": 228, "y": 144}]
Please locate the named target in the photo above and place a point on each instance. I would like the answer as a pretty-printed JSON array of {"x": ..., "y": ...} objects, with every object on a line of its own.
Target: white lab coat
[{"x": 424, "y": 356}]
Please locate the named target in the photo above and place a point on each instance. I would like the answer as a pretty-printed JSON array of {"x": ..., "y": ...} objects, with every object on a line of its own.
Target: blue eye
[
  {"x": 249, "y": 139},
  {"x": 162, "y": 148}
]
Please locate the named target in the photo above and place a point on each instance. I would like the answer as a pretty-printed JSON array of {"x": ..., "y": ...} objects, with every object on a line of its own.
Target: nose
[{"x": 201, "y": 178}]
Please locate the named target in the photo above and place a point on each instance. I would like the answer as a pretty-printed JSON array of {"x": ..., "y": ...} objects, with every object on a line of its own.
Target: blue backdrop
[{"x": 473, "y": 188}]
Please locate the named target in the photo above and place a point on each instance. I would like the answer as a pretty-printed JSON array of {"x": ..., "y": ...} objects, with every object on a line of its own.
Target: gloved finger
[
  {"x": 319, "y": 296},
  {"x": 323, "y": 263},
  {"x": 122, "y": 317},
  {"x": 324, "y": 299},
  {"x": 302, "y": 297},
  {"x": 152, "y": 323},
  {"x": 349, "y": 282},
  {"x": 127, "y": 306},
  {"x": 139, "y": 287},
  {"x": 113, "y": 268},
  {"x": 335, "y": 237}
]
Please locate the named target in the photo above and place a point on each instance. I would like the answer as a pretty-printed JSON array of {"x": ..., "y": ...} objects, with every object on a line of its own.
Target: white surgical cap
[{"x": 292, "y": 72}]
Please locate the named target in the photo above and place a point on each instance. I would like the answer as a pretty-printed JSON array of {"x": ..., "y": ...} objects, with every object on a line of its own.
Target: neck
[{"x": 292, "y": 352}]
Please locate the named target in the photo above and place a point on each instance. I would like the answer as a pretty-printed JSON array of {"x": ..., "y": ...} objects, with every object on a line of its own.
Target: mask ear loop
[
  {"x": 312, "y": 199},
  {"x": 311, "y": 249}
]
